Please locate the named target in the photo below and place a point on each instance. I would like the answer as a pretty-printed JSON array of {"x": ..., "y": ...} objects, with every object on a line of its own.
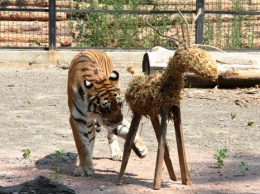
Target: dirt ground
[{"x": 34, "y": 115}]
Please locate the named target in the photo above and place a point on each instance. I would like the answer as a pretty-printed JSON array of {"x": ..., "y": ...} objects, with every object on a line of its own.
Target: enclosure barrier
[{"x": 120, "y": 24}]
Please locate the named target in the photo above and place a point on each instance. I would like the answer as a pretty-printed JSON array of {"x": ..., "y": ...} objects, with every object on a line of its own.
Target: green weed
[
  {"x": 32, "y": 62},
  {"x": 29, "y": 101},
  {"x": 250, "y": 123},
  {"x": 26, "y": 153},
  {"x": 55, "y": 175},
  {"x": 57, "y": 158},
  {"x": 243, "y": 167},
  {"x": 220, "y": 155}
]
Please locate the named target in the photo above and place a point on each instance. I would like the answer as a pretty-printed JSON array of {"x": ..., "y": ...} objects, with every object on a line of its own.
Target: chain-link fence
[{"x": 120, "y": 24}]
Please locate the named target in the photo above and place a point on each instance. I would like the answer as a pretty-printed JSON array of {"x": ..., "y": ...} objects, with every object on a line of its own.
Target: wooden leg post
[
  {"x": 180, "y": 145},
  {"x": 167, "y": 158},
  {"x": 161, "y": 150},
  {"x": 128, "y": 145}
]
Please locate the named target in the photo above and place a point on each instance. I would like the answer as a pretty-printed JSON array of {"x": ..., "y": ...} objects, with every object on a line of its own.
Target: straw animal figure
[{"x": 149, "y": 94}]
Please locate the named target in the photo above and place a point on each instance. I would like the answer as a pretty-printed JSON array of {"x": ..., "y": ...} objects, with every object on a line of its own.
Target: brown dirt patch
[{"x": 34, "y": 115}]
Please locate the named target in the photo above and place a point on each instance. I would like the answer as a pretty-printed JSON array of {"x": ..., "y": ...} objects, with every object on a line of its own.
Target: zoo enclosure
[{"x": 119, "y": 24}]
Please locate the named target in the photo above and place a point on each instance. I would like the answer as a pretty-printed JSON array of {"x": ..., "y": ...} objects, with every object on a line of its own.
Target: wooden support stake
[
  {"x": 180, "y": 145},
  {"x": 167, "y": 158},
  {"x": 160, "y": 152},
  {"x": 128, "y": 145}
]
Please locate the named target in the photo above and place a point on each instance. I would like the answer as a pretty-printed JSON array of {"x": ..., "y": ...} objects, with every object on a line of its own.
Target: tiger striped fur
[{"x": 94, "y": 101}]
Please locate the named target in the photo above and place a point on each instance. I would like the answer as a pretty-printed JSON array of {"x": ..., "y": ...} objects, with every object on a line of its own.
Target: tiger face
[{"x": 104, "y": 99}]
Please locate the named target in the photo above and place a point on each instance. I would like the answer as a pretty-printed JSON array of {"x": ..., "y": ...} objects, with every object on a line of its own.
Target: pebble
[{"x": 102, "y": 187}]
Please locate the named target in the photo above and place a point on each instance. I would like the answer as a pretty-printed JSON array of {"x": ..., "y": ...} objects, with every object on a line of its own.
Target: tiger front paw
[
  {"x": 117, "y": 155},
  {"x": 84, "y": 171}
]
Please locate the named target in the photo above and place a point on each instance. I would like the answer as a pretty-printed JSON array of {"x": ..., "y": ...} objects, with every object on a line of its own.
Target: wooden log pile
[{"x": 23, "y": 29}]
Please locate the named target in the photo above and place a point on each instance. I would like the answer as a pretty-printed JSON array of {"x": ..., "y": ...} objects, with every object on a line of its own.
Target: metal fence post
[
  {"x": 52, "y": 24},
  {"x": 199, "y": 22}
]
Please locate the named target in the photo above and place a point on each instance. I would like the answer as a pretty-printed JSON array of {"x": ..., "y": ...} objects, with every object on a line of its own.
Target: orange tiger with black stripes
[{"x": 94, "y": 100}]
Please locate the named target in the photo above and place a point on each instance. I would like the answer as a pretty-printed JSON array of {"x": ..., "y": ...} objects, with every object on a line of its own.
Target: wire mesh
[
  {"x": 232, "y": 31},
  {"x": 19, "y": 30},
  {"x": 228, "y": 24},
  {"x": 23, "y": 23}
]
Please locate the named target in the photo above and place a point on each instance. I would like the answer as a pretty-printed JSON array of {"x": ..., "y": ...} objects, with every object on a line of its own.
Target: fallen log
[
  {"x": 38, "y": 3},
  {"x": 32, "y": 44},
  {"x": 34, "y": 38},
  {"x": 24, "y": 38},
  {"x": 239, "y": 78},
  {"x": 30, "y": 16},
  {"x": 236, "y": 69}
]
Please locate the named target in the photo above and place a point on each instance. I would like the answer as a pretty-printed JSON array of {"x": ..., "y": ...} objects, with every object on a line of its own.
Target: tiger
[{"x": 94, "y": 101}]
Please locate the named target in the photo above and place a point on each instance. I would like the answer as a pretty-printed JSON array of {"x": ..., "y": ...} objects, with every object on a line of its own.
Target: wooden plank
[
  {"x": 167, "y": 158},
  {"x": 185, "y": 177},
  {"x": 161, "y": 151},
  {"x": 128, "y": 145}
]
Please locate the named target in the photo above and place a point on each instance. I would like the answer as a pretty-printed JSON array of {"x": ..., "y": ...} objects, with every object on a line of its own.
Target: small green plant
[
  {"x": 233, "y": 115},
  {"x": 29, "y": 101},
  {"x": 191, "y": 170},
  {"x": 32, "y": 62},
  {"x": 26, "y": 153},
  {"x": 220, "y": 155},
  {"x": 243, "y": 167},
  {"x": 57, "y": 158},
  {"x": 55, "y": 175},
  {"x": 250, "y": 123}
]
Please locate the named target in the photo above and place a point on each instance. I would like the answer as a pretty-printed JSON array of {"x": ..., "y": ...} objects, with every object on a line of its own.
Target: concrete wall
[
  {"x": 63, "y": 57},
  {"x": 119, "y": 57}
]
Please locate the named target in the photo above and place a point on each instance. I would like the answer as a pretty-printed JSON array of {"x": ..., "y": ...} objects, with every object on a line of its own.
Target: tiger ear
[
  {"x": 88, "y": 84},
  {"x": 114, "y": 77}
]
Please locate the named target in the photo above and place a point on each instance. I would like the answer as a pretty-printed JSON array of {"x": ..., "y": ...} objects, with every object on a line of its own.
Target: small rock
[{"x": 102, "y": 187}]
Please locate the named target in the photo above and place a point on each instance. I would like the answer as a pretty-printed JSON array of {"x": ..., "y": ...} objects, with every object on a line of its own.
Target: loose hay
[{"x": 148, "y": 95}]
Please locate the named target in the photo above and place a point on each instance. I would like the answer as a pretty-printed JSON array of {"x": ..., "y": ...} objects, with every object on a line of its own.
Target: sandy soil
[{"x": 34, "y": 115}]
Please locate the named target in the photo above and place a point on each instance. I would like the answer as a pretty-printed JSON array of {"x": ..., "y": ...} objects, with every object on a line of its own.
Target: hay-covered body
[{"x": 149, "y": 94}]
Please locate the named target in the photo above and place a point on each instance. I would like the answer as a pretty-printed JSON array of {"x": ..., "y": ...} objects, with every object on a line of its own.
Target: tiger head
[{"x": 104, "y": 99}]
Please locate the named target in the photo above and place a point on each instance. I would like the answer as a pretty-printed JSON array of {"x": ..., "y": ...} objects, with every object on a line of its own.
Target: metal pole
[
  {"x": 52, "y": 24},
  {"x": 199, "y": 22}
]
